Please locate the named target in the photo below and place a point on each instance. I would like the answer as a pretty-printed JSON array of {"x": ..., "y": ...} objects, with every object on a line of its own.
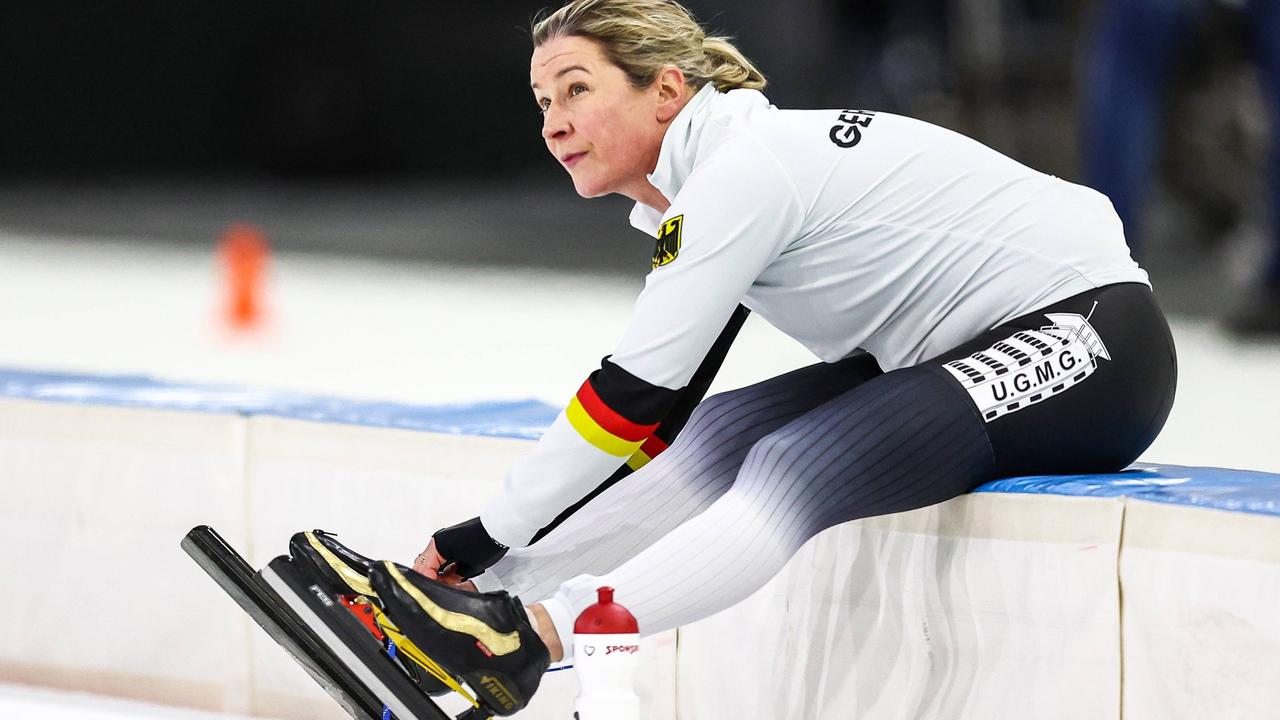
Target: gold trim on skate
[
  {"x": 405, "y": 645},
  {"x": 497, "y": 643},
  {"x": 355, "y": 580}
]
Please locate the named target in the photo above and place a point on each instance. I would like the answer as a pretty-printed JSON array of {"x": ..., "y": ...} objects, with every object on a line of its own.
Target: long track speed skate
[{"x": 322, "y": 632}]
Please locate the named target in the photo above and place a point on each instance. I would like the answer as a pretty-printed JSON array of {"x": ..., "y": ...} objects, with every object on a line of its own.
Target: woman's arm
[
  {"x": 673, "y": 423},
  {"x": 733, "y": 216},
  {"x": 470, "y": 546}
]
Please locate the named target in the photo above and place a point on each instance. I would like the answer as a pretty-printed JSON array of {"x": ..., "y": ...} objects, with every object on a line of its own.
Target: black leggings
[{"x": 1051, "y": 409}]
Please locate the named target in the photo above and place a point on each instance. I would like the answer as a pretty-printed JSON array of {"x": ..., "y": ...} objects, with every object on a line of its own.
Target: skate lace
[{"x": 406, "y": 647}]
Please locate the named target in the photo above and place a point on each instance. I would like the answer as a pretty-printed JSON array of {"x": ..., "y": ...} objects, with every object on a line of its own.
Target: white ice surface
[
  {"x": 18, "y": 702},
  {"x": 422, "y": 333},
  {"x": 402, "y": 331}
]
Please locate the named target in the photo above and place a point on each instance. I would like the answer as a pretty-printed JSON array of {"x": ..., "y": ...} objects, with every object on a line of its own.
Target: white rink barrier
[
  {"x": 1202, "y": 613},
  {"x": 993, "y": 605},
  {"x": 988, "y": 606},
  {"x": 99, "y": 598}
]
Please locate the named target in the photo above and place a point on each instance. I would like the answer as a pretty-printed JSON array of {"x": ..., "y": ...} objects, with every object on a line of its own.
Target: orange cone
[{"x": 243, "y": 252}]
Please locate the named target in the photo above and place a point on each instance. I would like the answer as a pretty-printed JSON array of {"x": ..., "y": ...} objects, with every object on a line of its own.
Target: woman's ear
[{"x": 672, "y": 92}]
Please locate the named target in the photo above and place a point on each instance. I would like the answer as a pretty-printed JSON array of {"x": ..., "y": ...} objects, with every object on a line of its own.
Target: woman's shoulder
[{"x": 744, "y": 130}]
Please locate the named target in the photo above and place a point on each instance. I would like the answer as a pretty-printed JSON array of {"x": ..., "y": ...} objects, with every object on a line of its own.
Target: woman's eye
[{"x": 577, "y": 89}]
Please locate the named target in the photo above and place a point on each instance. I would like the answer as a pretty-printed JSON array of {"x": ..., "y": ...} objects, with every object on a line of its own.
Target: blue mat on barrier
[
  {"x": 1237, "y": 490},
  {"x": 1220, "y": 488},
  {"x": 515, "y": 419}
]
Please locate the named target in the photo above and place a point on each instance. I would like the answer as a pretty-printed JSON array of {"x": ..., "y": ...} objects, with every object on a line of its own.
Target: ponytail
[{"x": 728, "y": 68}]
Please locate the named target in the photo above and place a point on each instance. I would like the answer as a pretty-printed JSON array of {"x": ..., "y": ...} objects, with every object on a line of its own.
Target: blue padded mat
[
  {"x": 1237, "y": 490},
  {"x": 1220, "y": 488},
  {"x": 516, "y": 419}
]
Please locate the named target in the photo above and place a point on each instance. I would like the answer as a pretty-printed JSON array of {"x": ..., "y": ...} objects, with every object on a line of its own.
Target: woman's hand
[
  {"x": 459, "y": 552},
  {"x": 430, "y": 561}
]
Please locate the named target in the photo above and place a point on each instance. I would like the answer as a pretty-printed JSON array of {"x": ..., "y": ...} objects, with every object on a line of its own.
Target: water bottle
[{"x": 606, "y": 652}]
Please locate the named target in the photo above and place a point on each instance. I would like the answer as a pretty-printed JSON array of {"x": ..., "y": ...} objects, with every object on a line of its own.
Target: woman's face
[{"x": 602, "y": 130}]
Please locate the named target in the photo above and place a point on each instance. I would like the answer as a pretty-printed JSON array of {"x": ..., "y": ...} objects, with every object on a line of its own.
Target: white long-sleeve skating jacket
[{"x": 845, "y": 229}]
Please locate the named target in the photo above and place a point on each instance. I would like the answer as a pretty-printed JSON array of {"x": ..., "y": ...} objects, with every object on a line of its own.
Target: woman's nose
[{"x": 555, "y": 124}]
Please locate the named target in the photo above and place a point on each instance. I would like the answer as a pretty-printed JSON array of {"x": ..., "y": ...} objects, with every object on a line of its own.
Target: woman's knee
[
  {"x": 770, "y": 459},
  {"x": 714, "y": 406},
  {"x": 711, "y": 447},
  {"x": 713, "y": 420}
]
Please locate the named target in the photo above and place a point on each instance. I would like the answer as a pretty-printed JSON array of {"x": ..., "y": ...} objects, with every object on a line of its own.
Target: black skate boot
[
  {"x": 345, "y": 573},
  {"x": 483, "y": 638}
]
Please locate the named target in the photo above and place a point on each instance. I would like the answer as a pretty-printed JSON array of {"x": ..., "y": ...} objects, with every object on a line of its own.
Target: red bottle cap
[{"x": 606, "y": 617}]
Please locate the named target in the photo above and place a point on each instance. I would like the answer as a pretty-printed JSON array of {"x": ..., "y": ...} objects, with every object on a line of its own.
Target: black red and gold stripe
[
  {"x": 604, "y": 427},
  {"x": 647, "y": 451},
  {"x": 640, "y": 404}
]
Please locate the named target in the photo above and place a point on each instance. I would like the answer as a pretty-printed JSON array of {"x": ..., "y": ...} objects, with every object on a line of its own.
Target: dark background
[
  {"x": 283, "y": 87},
  {"x": 286, "y": 88},
  {"x": 405, "y": 128}
]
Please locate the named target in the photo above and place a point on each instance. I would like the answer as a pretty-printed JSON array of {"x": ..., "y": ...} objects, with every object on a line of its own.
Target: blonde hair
[{"x": 643, "y": 36}]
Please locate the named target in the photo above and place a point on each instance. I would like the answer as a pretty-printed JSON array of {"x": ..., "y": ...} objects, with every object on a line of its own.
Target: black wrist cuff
[{"x": 469, "y": 547}]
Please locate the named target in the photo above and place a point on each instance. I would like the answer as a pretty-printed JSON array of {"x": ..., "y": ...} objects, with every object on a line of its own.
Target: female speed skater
[{"x": 975, "y": 319}]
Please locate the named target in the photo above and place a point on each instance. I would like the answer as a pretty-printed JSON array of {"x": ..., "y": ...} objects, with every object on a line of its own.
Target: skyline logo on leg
[{"x": 1031, "y": 366}]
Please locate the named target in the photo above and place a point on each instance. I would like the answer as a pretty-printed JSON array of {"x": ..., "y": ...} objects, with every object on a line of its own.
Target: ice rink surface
[
  {"x": 18, "y": 702},
  {"x": 437, "y": 334}
]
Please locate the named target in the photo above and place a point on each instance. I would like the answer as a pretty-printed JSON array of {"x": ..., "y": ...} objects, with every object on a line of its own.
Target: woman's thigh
[
  {"x": 630, "y": 514},
  {"x": 907, "y": 439},
  {"x": 1080, "y": 386},
  {"x": 705, "y": 455}
]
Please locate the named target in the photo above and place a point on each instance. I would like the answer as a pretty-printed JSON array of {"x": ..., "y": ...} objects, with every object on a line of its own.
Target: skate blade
[
  {"x": 324, "y": 638},
  {"x": 359, "y": 651},
  {"x": 382, "y": 625}
]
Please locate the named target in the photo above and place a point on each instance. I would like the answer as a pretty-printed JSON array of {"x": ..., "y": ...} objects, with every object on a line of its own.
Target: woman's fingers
[
  {"x": 451, "y": 577},
  {"x": 429, "y": 561}
]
